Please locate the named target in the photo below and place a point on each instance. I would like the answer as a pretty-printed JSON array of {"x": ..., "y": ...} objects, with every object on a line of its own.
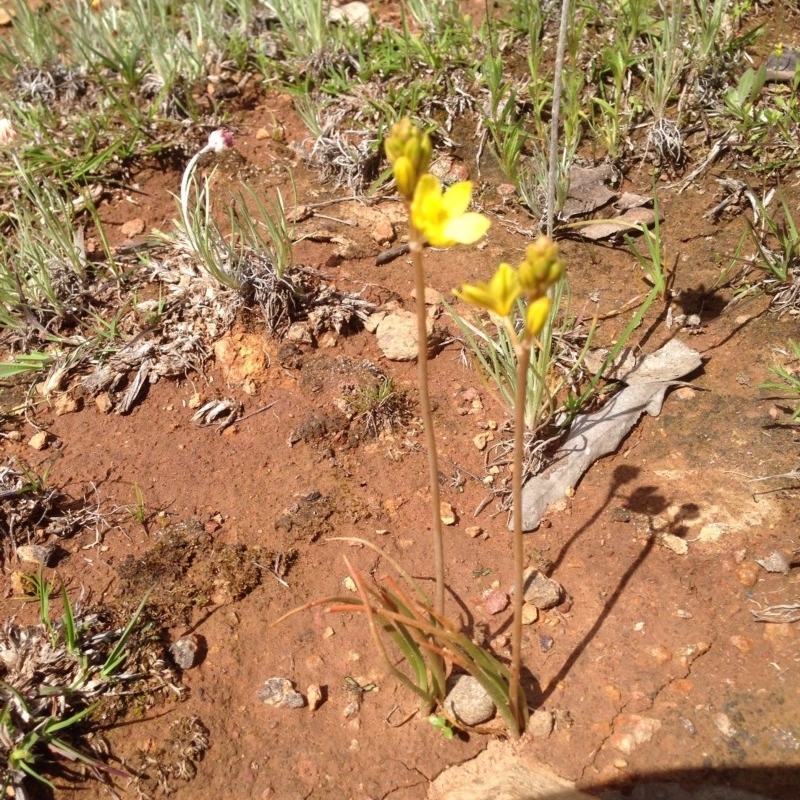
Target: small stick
[
  {"x": 257, "y": 411},
  {"x": 402, "y": 721},
  {"x": 349, "y": 222},
  {"x": 388, "y": 256},
  {"x": 274, "y": 574}
]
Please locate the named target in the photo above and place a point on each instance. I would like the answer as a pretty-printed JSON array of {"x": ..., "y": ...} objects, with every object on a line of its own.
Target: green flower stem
[
  {"x": 516, "y": 696},
  {"x": 415, "y": 246}
]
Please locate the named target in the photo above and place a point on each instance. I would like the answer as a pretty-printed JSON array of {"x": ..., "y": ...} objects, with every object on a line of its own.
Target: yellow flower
[
  {"x": 499, "y": 295},
  {"x": 536, "y": 315},
  {"x": 442, "y": 216}
]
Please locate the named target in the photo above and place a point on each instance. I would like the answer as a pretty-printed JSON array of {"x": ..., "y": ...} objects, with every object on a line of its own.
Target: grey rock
[
  {"x": 36, "y": 553},
  {"x": 540, "y": 724},
  {"x": 280, "y": 693},
  {"x": 541, "y": 591},
  {"x": 186, "y": 651},
  {"x": 777, "y": 562},
  {"x": 469, "y": 702}
]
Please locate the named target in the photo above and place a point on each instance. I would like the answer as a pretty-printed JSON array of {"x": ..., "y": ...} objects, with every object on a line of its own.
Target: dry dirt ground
[{"x": 655, "y": 668}]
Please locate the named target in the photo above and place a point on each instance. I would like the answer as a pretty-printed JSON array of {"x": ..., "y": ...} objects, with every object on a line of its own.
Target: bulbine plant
[
  {"x": 541, "y": 269},
  {"x": 427, "y": 639}
]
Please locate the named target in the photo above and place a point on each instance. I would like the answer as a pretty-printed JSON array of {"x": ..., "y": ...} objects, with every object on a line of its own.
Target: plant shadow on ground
[{"x": 645, "y": 500}]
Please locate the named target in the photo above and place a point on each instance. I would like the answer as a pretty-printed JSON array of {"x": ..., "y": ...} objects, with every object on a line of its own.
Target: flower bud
[
  {"x": 556, "y": 272},
  {"x": 396, "y": 141},
  {"x": 425, "y": 154},
  {"x": 412, "y": 151},
  {"x": 405, "y": 176},
  {"x": 536, "y": 315},
  {"x": 407, "y": 141},
  {"x": 394, "y": 149},
  {"x": 541, "y": 268}
]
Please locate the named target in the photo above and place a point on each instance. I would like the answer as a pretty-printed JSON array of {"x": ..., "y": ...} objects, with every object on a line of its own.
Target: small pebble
[
  {"x": 675, "y": 543},
  {"x": 724, "y": 725},
  {"x": 473, "y": 531},
  {"x": 742, "y": 643},
  {"x": 688, "y": 653},
  {"x": 529, "y": 614},
  {"x": 495, "y": 602},
  {"x": 468, "y": 702},
  {"x": 540, "y": 724},
  {"x": 619, "y": 514},
  {"x": 279, "y": 693},
  {"x": 546, "y": 643},
  {"x": 133, "y": 227},
  {"x": 661, "y": 654},
  {"x": 185, "y": 651},
  {"x": 351, "y": 709},
  {"x": 65, "y": 404},
  {"x": 747, "y": 573},
  {"x": 104, "y": 403},
  {"x": 446, "y": 513},
  {"x": 776, "y": 562},
  {"x": 540, "y": 591},
  {"x": 39, "y": 440},
  {"x": 314, "y": 694}
]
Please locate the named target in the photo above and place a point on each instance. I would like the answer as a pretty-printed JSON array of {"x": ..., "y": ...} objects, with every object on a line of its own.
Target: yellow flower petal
[
  {"x": 466, "y": 229},
  {"x": 499, "y": 295},
  {"x": 456, "y": 199},
  {"x": 475, "y": 294},
  {"x": 442, "y": 216}
]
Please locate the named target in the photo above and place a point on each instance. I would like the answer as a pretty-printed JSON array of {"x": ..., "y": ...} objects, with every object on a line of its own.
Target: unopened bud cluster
[
  {"x": 541, "y": 269},
  {"x": 409, "y": 152}
]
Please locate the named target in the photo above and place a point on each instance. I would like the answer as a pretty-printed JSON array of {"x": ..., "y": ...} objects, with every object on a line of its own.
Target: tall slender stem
[
  {"x": 415, "y": 247},
  {"x": 552, "y": 177},
  {"x": 516, "y": 696}
]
